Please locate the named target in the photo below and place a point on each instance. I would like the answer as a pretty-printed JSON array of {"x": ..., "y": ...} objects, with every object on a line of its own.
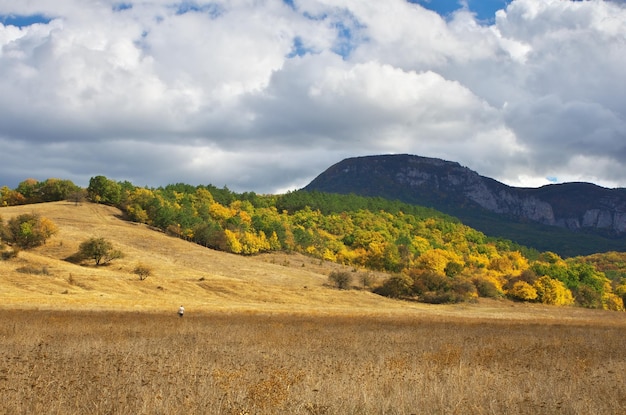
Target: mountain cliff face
[{"x": 459, "y": 191}]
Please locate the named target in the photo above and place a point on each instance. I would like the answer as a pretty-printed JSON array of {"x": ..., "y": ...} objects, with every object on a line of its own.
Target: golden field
[{"x": 266, "y": 335}]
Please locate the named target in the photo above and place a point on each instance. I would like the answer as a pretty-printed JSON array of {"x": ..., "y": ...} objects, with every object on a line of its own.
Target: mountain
[{"x": 569, "y": 218}]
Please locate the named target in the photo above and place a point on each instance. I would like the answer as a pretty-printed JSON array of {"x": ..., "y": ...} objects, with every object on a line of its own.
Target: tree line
[{"x": 430, "y": 256}]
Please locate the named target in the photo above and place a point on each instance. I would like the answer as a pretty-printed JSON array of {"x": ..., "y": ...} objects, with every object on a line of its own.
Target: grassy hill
[{"x": 182, "y": 272}]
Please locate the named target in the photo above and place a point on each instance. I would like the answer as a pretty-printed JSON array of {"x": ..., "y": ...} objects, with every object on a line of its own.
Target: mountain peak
[{"x": 479, "y": 201}]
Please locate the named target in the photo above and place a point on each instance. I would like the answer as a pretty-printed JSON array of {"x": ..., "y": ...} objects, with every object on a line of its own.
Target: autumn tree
[
  {"x": 10, "y": 197},
  {"x": 28, "y": 189},
  {"x": 522, "y": 291},
  {"x": 100, "y": 250},
  {"x": 28, "y": 230},
  {"x": 551, "y": 291}
]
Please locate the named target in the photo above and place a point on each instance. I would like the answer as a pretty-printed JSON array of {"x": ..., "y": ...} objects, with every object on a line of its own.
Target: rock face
[{"x": 452, "y": 188}]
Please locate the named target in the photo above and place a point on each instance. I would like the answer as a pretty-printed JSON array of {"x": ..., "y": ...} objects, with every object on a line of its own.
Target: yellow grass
[
  {"x": 265, "y": 335},
  {"x": 59, "y": 362}
]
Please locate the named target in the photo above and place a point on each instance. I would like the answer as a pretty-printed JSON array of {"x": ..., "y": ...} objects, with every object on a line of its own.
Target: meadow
[{"x": 78, "y": 362}]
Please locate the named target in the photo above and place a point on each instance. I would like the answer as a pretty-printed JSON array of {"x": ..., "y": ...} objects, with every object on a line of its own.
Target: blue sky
[
  {"x": 23, "y": 20},
  {"x": 265, "y": 95},
  {"x": 484, "y": 9}
]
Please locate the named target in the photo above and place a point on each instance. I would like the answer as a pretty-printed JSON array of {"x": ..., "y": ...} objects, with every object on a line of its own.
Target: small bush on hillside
[
  {"x": 143, "y": 271},
  {"x": 29, "y": 269},
  {"x": 341, "y": 279},
  {"x": 396, "y": 286},
  {"x": 10, "y": 254},
  {"x": 366, "y": 279}
]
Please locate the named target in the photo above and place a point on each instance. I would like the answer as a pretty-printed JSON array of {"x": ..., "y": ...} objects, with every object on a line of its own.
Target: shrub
[
  {"x": 10, "y": 254},
  {"x": 430, "y": 281},
  {"x": 33, "y": 270},
  {"x": 366, "y": 279},
  {"x": 341, "y": 279},
  {"x": 143, "y": 271},
  {"x": 588, "y": 297},
  {"x": 487, "y": 288},
  {"x": 396, "y": 286},
  {"x": 522, "y": 291}
]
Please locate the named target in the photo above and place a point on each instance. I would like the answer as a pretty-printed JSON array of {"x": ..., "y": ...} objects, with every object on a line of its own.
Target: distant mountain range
[{"x": 569, "y": 219}]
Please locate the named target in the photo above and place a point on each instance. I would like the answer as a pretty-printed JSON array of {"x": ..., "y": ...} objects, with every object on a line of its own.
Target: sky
[{"x": 264, "y": 95}]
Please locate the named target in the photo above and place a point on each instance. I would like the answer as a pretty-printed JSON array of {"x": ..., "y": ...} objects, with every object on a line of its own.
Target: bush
[
  {"x": 487, "y": 288},
  {"x": 33, "y": 270},
  {"x": 6, "y": 255},
  {"x": 341, "y": 279},
  {"x": 430, "y": 281},
  {"x": 522, "y": 291},
  {"x": 143, "y": 271},
  {"x": 588, "y": 297},
  {"x": 366, "y": 279},
  {"x": 396, "y": 286}
]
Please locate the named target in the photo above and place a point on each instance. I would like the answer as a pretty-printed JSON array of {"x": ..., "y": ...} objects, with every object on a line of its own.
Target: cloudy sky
[{"x": 264, "y": 95}]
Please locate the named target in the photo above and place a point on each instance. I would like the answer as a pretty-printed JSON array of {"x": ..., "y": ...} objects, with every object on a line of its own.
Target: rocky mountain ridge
[{"x": 457, "y": 190}]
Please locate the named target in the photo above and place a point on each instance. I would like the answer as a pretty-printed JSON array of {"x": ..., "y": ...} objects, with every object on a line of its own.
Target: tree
[
  {"x": 53, "y": 190},
  {"x": 28, "y": 189},
  {"x": 552, "y": 291},
  {"x": 100, "y": 250},
  {"x": 103, "y": 190},
  {"x": 28, "y": 230}
]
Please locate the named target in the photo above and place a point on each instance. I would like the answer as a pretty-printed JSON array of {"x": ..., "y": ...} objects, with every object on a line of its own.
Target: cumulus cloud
[{"x": 265, "y": 95}]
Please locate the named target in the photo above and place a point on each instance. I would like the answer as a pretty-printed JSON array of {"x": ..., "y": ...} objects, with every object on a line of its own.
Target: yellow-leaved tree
[{"x": 551, "y": 291}]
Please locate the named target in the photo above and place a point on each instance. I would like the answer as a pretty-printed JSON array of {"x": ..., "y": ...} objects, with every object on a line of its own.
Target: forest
[{"x": 429, "y": 256}]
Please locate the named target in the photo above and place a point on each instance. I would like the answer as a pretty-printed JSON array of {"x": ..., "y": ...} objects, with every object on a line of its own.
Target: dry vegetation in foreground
[{"x": 59, "y": 362}]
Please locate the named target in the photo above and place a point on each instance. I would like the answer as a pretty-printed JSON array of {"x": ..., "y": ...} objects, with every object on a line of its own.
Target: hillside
[
  {"x": 569, "y": 219},
  {"x": 183, "y": 272},
  {"x": 202, "y": 279}
]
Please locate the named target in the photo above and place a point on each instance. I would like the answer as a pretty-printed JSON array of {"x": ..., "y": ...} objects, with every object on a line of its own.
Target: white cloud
[{"x": 258, "y": 95}]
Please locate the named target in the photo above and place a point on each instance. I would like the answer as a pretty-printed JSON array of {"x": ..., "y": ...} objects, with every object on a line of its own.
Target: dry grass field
[
  {"x": 59, "y": 362},
  {"x": 265, "y": 335}
]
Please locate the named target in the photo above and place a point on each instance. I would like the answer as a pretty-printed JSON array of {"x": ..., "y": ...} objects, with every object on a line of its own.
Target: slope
[{"x": 183, "y": 272}]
